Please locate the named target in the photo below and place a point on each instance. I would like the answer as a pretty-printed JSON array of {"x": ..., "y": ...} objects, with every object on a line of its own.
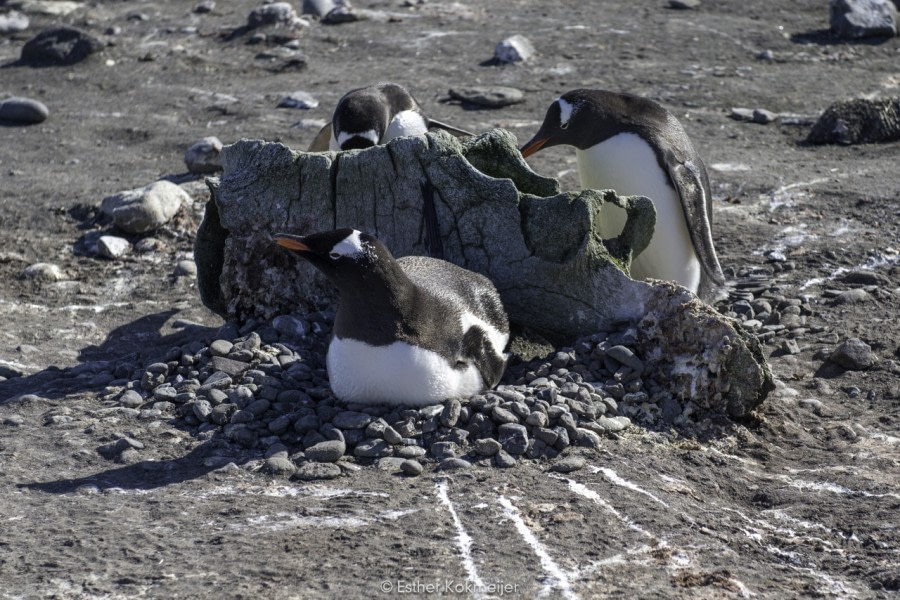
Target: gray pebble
[
  {"x": 450, "y": 413},
  {"x": 202, "y": 409},
  {"x": 790, "y": 347},
  {"x": 854, "y": 354},
  {"x": 145, "y": 209},
  {"x": 513, "y": 438},
  {"x": 442, "y": 450},
  {"x": 185, "y": 268},
  {"x": 450, "y": 464},
  {"x": 409, "y": 451},
  {"x": 23, "y": 110},
  {"x": 328, "y": 451},
  {"x": 272, "y": 14},
  {"x": 588, "y": 438},
  {"x": 372, "y": 449},
  {"x": 313, "y": 470},
  {"x": 14, "y": 420},
  {"x": 626, "y": 357},
  {"x": 503, "y": 460},
  {"x": 392, "y": 436},
  {"x": 60, "y": 45},
  {"x": 220, "y": 347},
  {"x": 490, "y": 97},
  {"x": 855, "y": 19},
  {"x": 487, "y": 446},
  {"x": 351, "y": 420},
  {"x": 502, "y": 416},
  {"x": 568, "y": 464},
  {"x": 411, "y": 467},
  {"x": 204, "y": 156},
  {"x": 130, "y": 399},
  {"x": 280, "y": 465},
  {"x": 852, "y": 296},
  {"x": 206, "y": 6}
]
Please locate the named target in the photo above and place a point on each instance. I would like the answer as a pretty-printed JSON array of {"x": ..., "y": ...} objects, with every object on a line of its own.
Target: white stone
[
  {"x": 514, "y": 49},
  {"x": 145, "y": 209},
  {"x": 112, "y": 246},
  {"x": 43, "y": 272}
]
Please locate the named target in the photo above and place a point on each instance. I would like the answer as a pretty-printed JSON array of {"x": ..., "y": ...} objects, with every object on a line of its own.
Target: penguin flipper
[
  {"x": 456, "y": 131},
  {"x": 321, "y": 143},
  {"x": 691, "y": 182}
]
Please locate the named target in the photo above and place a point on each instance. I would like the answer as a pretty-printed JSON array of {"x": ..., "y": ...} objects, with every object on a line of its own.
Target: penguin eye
[{"x": 333, "y": 255}]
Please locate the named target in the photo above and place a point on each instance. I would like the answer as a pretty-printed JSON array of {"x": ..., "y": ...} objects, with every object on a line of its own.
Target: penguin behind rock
[
  {"x": 636, "y": 147},
  {"x": 413, "y": 331},
  {"x": 375, "y": 115}
]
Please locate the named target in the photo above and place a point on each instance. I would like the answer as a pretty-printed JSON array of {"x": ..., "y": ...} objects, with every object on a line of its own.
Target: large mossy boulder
[{"x": 479, "y": 205}]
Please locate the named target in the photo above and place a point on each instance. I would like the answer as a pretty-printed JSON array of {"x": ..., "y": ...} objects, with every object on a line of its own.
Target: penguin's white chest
[
  {"x": 407, "y": 122},
  {"x": 397, "y": 374},
  {"x": 628, "y": 165}
]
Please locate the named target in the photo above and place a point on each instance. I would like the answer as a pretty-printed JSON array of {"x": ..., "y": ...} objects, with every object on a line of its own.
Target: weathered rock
[
  {"x": 59, "y": 45},
  {"x": 43, "y": 271},
  {"x": 854, "y": 354},
  {"x": 854, "y": 19},
  {"x": 204, "y": 156},
  {"x": 858, "y": 121},
  {"x": 276, "y": 13},
  {"x": 23, "y": 110},
  {"x": 145, "y": 209},
  {"x": 495, "y": 216}
]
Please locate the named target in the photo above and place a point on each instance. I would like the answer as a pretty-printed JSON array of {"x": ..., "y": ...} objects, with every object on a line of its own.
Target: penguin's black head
[
  {"x": 347, "y": 257},
  {"x": 582, "y": 118}
]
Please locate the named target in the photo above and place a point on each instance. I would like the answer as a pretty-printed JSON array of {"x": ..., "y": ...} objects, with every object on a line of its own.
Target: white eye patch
[
  {"x": 350, "y": 246},
  {"x": 565, "y": 112}
]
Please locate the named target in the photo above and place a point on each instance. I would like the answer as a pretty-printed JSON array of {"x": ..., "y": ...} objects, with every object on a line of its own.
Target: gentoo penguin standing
[
  {"x": 413, "y": 331},
  {"x": 375, "y": 115},
  {"x": 636, "y": 147}
]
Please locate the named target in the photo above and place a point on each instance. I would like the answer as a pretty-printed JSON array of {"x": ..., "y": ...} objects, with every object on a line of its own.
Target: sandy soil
[{"x": 801, "y": 501}]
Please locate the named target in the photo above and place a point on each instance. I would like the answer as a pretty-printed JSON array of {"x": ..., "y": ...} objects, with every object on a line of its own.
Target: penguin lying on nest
[
  {"x": 636, "y": 147},
  {"x": 373, "y": 115},
  {"x": 412, "y": 331}
]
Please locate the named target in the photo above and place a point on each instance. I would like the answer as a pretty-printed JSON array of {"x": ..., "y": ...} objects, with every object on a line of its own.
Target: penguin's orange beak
[
  {"x": 533, "y": 146},
  {"x": 291, "y": 242}
]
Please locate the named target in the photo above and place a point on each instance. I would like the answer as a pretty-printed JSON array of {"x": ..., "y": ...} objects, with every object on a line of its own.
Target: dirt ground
[{"x": 799, "y": 502}]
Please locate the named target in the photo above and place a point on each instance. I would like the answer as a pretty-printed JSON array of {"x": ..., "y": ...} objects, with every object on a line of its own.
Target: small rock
[
  {"x": 490, "y": 97},
  {"x": 130, "y": 399},
  {"x": 626, "y": 357},
  {"x": 185, "y": 268},
  {"x": 59, "y": 45},
  {"x": 280, "y": 465},
  {"x": 450, "y": 464},
  {"x": 372, "y": 449},
  {"x": 204, "y": 156},
  {"x": 503, "y": 460},
  {"x": 501, "y": 416},
  {"x": 854, "y": 19},
  {"x": 684, "y": 4},
  {"x": 277, "y": 13},
  {"x": 852, "y": 296},
  {"x": 854, "y": 354},
  {"x": 741, "y": 114},
  {"x": 230, "y": 367},
  {"x": 329, "y": 451},
  {"x": 145, "y": 209},
  {"x": 611, "y": 424},
  {"x": 314, "y": 470},
  {"x": 790, "y": 347},
  {"x": 450, "y": 413},
  {"x": 23, "y": 110},
  {"x": 392, "y": 436},
  {"x": 442, "y": 450},
  {"x": 568, "y": 464},
  {"x": 349, "y": 419},
  {"x": 14, "y": 420},
  {"x": 409, "y": 451},
  {"x": 13, "y": 22},
  {"x": 514, "y": 49},
  {"x": 110, "y": 246},
  {"x": 43, "y": 272},
  {"x": 513, "y": 438},
  {"x": 342, "y": 13},
  {"x": 411, "y": 467},
  {"x": 487, "y": 446},
  {"x": 390, "y": 464},
  {"x": 301, "y": 100}
]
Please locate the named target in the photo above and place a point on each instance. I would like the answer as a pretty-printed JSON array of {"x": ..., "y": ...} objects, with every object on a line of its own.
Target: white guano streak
[{"x": 463, "y": 541}]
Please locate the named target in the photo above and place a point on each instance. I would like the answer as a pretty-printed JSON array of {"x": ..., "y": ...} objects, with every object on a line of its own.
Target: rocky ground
[{"x": 109, "y": 491}]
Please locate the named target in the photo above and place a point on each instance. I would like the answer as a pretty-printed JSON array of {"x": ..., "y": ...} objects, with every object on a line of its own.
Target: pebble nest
[{"x": 261, "y": 392}]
